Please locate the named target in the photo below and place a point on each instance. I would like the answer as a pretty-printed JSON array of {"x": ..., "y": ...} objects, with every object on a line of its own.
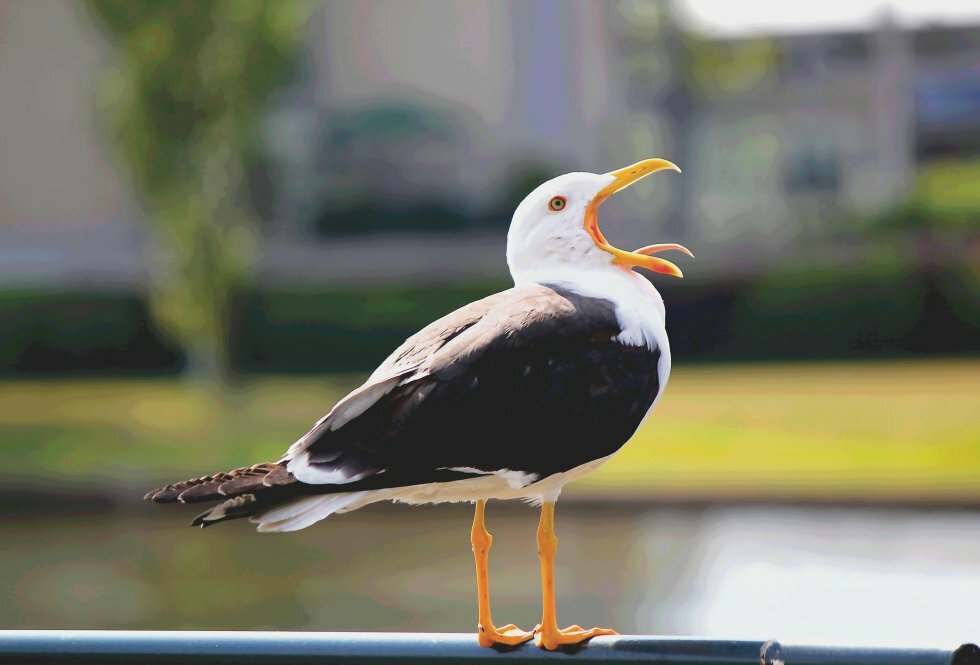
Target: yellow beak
[{"x": 641, "y": 258}]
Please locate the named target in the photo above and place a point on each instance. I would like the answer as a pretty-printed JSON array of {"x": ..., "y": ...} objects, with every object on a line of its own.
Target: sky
[{"x": 724, "y": 17}]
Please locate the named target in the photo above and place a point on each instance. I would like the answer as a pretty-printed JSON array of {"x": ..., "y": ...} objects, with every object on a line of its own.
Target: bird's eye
[{"x": 557, "y": 203}]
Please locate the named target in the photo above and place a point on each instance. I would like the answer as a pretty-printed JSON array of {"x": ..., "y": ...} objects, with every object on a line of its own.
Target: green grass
[
  {"x": 897, "y": 430},
  {"x": 866, "y": 431}
]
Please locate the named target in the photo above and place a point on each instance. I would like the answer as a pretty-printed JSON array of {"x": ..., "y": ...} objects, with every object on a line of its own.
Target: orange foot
[
  {"x": 554, "y": 638},
  {"x": 509, "y": 635}
]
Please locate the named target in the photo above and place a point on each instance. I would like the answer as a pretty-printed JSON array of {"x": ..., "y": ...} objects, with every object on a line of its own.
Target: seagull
[{"x": 508, "y": 397}]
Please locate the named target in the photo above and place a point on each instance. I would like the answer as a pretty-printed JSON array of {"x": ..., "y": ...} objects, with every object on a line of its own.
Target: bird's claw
[
  {"x": 509, "y": 635},
  {"x": 555, "y": 638}
]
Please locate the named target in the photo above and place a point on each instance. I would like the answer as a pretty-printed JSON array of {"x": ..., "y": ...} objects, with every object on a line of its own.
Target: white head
[{"x": 556, "y": 226}]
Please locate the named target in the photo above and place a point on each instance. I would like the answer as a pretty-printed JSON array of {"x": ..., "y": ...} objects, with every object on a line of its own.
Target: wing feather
[{"x": 391, "y": 426}]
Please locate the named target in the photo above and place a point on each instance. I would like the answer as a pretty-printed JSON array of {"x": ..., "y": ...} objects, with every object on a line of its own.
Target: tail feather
[
  {"x": 243, "y": 492},
  {"x": 222, "y": 485},
  {"x": 266, "y": 493},
  {"x": 240, "y": 506}
]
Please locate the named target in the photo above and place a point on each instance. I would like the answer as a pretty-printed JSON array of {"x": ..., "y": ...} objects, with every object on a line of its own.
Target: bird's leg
[
  {"x": 547, "y": 634},
  {"x": 488, "y": 634}
]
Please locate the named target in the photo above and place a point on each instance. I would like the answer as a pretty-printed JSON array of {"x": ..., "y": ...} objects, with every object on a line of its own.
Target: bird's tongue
[
  {"x": 643, "y": 258},
  {"x": 649, "y": 250}
]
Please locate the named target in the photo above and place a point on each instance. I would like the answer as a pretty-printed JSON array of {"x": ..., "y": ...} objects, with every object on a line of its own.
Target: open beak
[{"x": 643, "y": 257}]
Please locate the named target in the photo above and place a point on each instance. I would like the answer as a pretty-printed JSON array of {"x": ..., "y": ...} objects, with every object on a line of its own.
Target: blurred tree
[
  {"x": 188, "y": 88},
  {"x": 945, "y": 200}
]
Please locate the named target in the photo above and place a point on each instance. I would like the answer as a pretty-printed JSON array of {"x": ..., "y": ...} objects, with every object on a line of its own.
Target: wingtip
[
  {"x": 201, "y": 520},
  {"x": 160, "y": 495}
]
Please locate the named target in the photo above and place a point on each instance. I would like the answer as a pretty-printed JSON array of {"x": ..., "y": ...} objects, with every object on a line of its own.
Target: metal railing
[{"x": 92, "y": 647}]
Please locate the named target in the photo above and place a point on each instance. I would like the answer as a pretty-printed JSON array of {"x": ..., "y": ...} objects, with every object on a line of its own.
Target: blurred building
[
  {"x": 431, "y": 120},
  {"x": 837, "y": 126}
]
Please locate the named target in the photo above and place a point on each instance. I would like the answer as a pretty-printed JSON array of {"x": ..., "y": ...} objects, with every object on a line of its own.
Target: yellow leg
[
  {"x": 489, "y": 635},
  {"x": 547, "y": 634}
]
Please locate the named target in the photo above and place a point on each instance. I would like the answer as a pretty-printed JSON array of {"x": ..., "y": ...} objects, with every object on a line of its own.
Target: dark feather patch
[{"x": 241, "y": 506}]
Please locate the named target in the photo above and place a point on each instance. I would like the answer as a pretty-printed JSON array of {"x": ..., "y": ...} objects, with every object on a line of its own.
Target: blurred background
[{"x": 216, "y": 217}]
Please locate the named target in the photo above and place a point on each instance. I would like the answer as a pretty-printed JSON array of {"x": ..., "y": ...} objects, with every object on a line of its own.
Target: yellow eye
[{"x": 557, "y": 203}]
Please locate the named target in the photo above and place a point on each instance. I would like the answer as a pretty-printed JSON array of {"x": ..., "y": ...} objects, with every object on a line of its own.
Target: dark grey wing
[
  {"x": 323, "y": 451},
  {"x": 532, "y": 379}
]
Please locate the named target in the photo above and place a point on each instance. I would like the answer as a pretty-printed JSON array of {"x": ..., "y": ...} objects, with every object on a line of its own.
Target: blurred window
[
  {"x": 803, "y": 57},
  {"x": 812, "y": 170},
  {"x": 934, "y": 42},
  {"x": 947, "y": 105},
  {"x": 848, "y": 50}
]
